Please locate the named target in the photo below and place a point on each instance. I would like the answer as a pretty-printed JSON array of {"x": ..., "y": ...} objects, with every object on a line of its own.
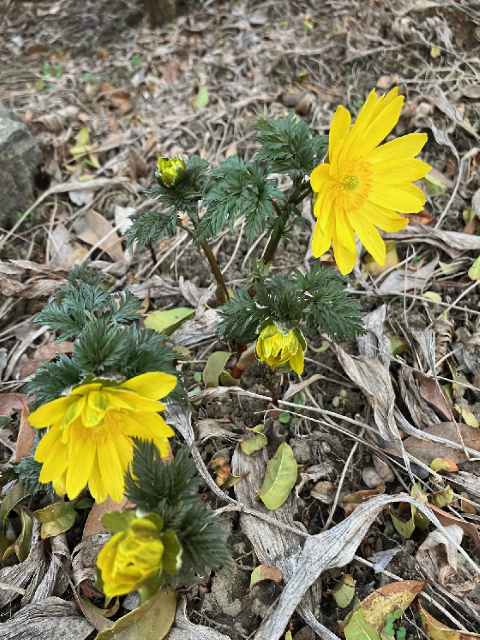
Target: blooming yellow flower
[
  {"x": 279, "y": 347},
  {"x": 89, "y": 440},
  {"x": 136, "y": 554},
  {"x": 170, "y": 172},
  {"x": 362, "y": 186}
]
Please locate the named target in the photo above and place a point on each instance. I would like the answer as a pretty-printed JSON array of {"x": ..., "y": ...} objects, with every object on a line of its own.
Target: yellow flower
[
  {"x": 362, "y": 186},
  {"x": 170, "y": 172},
  {"x": 89, "y": 440},
  {"x": 281, "y": 348},
  {"x": 136, "y": 554}
]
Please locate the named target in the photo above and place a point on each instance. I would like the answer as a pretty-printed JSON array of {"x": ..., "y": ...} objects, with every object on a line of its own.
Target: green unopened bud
[{"x": 170, "y": 172}]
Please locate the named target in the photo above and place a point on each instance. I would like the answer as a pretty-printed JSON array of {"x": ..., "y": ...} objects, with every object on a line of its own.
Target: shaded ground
[{"x": 96, "y": 66}]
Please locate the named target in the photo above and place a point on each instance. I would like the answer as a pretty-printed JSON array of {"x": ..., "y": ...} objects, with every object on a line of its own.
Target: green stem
[{"x": 284, "y": 214}]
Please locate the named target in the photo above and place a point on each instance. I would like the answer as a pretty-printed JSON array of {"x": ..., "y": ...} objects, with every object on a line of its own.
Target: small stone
[
  {"x": 305, "y": 633},
  {"x": 19, "y": 159},
  {"x": 303, "y": 106},
  {"x": 383, "y": 470},
  {"x": 301, "y": 451},
  {"x": 371, "y": 478}
]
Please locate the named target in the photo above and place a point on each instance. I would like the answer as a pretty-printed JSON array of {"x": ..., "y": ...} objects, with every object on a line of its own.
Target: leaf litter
[{"x": 169, "y": 106}]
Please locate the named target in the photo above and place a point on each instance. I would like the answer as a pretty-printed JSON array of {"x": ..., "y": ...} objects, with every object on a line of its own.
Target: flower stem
[
  {"x": 244, "y": 361},
  {"x": 222, "y": 291},
  {"x": 153, "y": 254}
]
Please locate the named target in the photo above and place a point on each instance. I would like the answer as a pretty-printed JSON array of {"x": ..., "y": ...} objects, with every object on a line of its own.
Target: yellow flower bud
[
  {"x": 170, "y": 172},
  {"x": 136, "y": 555},
  {"x": 281, "y": 348}
]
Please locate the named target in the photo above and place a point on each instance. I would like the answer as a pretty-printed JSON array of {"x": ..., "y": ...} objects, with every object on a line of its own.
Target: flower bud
[
  {"x": 170, "y": 172},
  {"x": 136, "y": 555},
  {"x": 281, "y": 348}
]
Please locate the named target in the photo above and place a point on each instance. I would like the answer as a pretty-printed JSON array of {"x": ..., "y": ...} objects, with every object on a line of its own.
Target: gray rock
[{"x": 19, "y": 159}]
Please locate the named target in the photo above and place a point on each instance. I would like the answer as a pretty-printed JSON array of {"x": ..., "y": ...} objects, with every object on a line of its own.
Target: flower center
[{"x": 350, "y": 182}]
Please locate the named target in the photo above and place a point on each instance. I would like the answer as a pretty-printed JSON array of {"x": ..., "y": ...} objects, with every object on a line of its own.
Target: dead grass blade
[
  {"x": 334, "y": 548},
  {"x": 50, "y": 618}
]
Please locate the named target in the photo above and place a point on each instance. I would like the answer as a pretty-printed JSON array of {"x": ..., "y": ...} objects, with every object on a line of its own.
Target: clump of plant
[{"x": 356, "y": 187}]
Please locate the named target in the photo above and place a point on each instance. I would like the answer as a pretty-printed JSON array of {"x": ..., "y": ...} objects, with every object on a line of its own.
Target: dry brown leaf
[
  {"x": 63, "y": 253},
  {"x": 11, "y": 403},
  {"x": 93, "y": 524},
  {"x": 419, "y": 219},
  {"x": 26, "y": 366},
  {"x": 26, "y": 434},
  {"x": 374, "y": 380},
  {"x": 447, "y": 520},
  {"x": 452, "y": 242},
  {"x": 438, "y": 558},
  {"x": 138, "y": 166},
  {"x": 436, "y": 396},
  {"x": 426, "y": 450},
  {"x": 95, "y": 230},
  {"x": 405, "y": 279},
  {"x": 197, "y": 329}
]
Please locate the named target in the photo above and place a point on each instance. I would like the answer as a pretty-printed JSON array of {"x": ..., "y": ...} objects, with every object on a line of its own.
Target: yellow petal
[
  {"x": 163, "y": 446},
  {"x": 80, "y": 462},
  {"x": 111, "y": 470},
  {"x": 59, "y": 483},
  {"x": 319, "y": 177},
  {"x": 381, "y": 126},
  {"x": 96, "y": 485},
  {"x": 47, "y": 443},
  {"x": 383, "y": 218},
  {"x": 405, "y": 199},
  {"x": 153, "y": 385},
  {"x": 50, "y": 413},
  {"x": 344, "y": 258},
  {"x": 93, "y": 413},
  {"x": 343, "y": 229},
  {"x": 404, "y": 147},
  {"x": 322, "y": 238},
  {"x": 339, "y": 130},
  {"x": 398, "y": 171},
  {"x": 85, "y": 389},
  {"x": 74, "y": 410},
  {"x": 135, "y": 402},
  {"x": 296, "y": 362},
  {"x": 369, "y": 236}
]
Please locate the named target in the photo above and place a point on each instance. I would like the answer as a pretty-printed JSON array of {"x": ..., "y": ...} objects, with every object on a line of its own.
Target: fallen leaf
[
  {"x": 323, "y": 491},
  {"x": 166, "y": 322},
  {"x": 353, "y": 500},
  {"x": 13, "y": 496},
  {"x": 467, "y": 416},
  {"x": 422, "y": 218},
  {"x": 447, "y": 520},
  {"x": 428, "y": 450},
  {"x": 436, "y": 397},
  {"x": 215, "y": 365},
  {"x": 56, "y": 518},
  {"x": 466, "y": 505},
  {"x": 202, "y": 98},
  {"x": 474, "y": 271},
  {"x": 27, "y": 366},
  {"x": 11, "y": 403},
  {"x": 26, "y": 434},
  {"x": 95, "y": 230},
  {"x": 279, "y": 479},
  {"x": 359, "y": 629},
  {"x": 263, "y": 572},
  {"x": 256, "y": 443},
  {"x": 443, "y": 464},
  {"x": 395, "y": 595},
  {"x": 435, "y": 630},
  {"x": 151, "y": 621},
  {"x": 344, "y": 591}
]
